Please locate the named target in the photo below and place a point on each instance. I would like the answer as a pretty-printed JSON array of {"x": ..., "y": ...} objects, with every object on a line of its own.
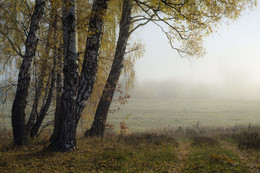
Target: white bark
[
  {"x": 89, "y": 67},
  {"x": 66, "y": 139}
]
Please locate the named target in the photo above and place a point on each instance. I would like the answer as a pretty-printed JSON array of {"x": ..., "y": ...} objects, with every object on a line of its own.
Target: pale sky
[{"x": 233, "y": 54}]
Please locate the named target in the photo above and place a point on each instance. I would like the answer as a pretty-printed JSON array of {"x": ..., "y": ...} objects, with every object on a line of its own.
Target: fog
[
  {"x": 187, "y": 89},
  {"x": 229, "y": 70}
]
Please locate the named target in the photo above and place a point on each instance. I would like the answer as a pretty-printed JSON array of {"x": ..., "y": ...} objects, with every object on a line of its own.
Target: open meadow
[{"x": 142, "y": 114}]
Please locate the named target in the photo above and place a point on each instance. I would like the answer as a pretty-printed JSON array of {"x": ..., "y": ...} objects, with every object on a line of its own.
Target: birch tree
[
  {"x": 90, "y": 63},
  {"x": 98, "y": 126},
  {"x": 13, "y": 32},
  {"x": 24, "y": 77},
  {"x": 49, "y": 51},
  {"x": 66, "y": 139},
  {"x": 76, "y": 90}
]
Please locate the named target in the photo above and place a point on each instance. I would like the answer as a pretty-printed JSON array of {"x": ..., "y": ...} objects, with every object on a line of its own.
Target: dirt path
[
  {"x": 248, "y": 157},
  {"x": 182, "y": 153}
]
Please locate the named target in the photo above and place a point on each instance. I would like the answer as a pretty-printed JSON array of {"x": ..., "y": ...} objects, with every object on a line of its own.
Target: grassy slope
[
  {"x": 92, "y": 155},
  {"x": 132, "y": 154}
]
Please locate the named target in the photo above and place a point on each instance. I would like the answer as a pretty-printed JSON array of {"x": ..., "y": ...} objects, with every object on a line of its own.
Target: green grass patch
[
  {"x": 213, "y": 159},
  {"x": 92, "y": 155}
]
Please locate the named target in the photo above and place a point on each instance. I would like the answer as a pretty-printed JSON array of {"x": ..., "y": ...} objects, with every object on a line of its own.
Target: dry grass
[
  {"x": 168, "y": 150},
  {"x": 204, "y": 141}
]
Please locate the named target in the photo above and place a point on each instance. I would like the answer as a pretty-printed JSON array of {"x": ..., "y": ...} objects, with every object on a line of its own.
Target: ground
[{"x": 140, "y": 152}]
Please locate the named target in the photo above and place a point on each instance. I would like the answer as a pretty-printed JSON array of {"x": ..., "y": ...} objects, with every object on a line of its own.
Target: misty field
[{"x": 142, "y": 114}]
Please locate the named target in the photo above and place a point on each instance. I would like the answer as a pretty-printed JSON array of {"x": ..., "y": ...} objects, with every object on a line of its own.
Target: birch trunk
[
  {"x": 90, "y": 63},
  {"x": 39, "y": 87},
  {"x": 36, "y": 126},
  {"x": 34, "y": 123},
  {"x": 24, "y": 77},
  {"x": 57, "y": 118},
  {"x": 98, "y": 125},
  {"x": 66, "y": 139}
]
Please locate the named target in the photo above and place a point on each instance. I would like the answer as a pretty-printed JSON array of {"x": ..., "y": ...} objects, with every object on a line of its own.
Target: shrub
[
  {"x": 148, "y": 138},
  {"x": 123, "y": 127},
  {"x": 248, "y": 140}
]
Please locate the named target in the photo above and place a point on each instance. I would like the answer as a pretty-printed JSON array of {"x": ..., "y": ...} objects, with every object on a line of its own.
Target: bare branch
[
  {"x": 180, "y": 51},
  {"x": 15, "y": 47},
  {"x": 50, "y": 123},
  {"x": 132, "y": 50},
  {"x": 141, "y": 24}
]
